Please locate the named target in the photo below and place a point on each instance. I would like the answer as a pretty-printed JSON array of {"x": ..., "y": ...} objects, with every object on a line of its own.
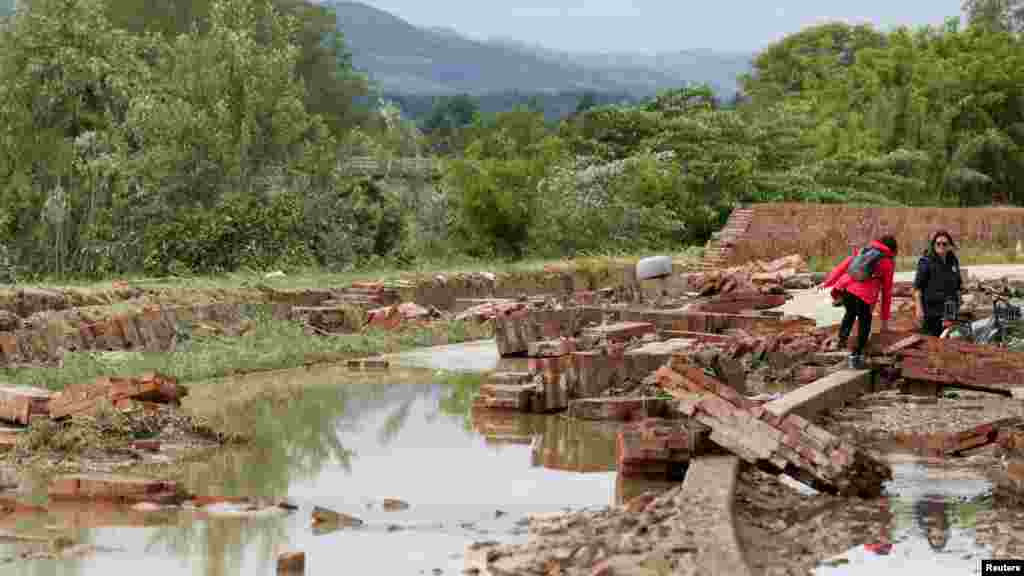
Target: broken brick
[
  {"x": 551, "y": 348},
  {"x": 793, "y": 444},
  {"x": 622, "y": 331},
  {"x": 19, "y": 403},
  {"x": 110, "y": 486},
  {"x": 81, "y": 398},
  {"x": 654, "y": 446},
  {"x": 617, "y": 409}
]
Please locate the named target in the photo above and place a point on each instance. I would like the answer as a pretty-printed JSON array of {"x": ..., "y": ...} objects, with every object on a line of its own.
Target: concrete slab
[
  {"x": 709, "y": 487},
  {"x": 828, "y": 393}
]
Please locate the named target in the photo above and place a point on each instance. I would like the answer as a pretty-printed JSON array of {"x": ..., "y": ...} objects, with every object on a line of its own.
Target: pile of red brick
[
  {"x": 368, "y": 294},
  {"x": 618, "y": 409},
  {"x": 20, "y": 404},
  {"x": 659, "y": 448},
  {"x": 791, "y": 444},
  {"x": 1002, "y": 432},
  {"x": 564, "y": 368},
  {"x": 756, "y": 277},
  {"x": 796, "y": 345},
  {"x": 122, "y": 393},
  {"x": 738, "y": 302},
  {"x": 963, "y": 364},
  {"x": 488, "y": 311},
  {"x": 391, "y": 317}
]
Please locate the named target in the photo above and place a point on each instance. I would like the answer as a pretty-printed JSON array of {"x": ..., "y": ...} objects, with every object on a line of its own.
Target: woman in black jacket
[{"x": 936, "y": 283}]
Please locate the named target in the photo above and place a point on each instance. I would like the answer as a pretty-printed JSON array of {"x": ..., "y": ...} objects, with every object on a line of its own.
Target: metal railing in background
[{"x": 408, "y": 166}]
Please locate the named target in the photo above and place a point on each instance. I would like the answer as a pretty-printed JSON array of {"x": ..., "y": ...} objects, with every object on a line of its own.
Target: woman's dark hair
[
  {"x": 890, "y": 242},
  {"x": 942, "y": 234}
]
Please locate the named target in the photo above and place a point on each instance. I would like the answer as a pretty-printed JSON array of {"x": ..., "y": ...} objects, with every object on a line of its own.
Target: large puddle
[
  {"x": 479, "y": 356},
  {"x": 346, "y": 445},
  {"x": 932, "y": 527}
]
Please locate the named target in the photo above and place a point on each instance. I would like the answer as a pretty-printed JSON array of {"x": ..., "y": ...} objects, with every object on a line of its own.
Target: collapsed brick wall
[
  {"x": 827, "y": 231},
  {"x": 152, "y": 329}
]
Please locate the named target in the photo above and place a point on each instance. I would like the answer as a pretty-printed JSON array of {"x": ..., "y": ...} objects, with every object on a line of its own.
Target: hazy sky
[{"x": 656, "y": 25}]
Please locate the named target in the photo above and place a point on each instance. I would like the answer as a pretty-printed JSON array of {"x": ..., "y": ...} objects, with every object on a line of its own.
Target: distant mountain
[
  {"x": 447, "y": 32},
  {"x": 403, "y": 58},
  {"x": 719, "y": 69}
]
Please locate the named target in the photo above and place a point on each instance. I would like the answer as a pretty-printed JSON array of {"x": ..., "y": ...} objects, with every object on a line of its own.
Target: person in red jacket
[{"x": 860, "y": 296}]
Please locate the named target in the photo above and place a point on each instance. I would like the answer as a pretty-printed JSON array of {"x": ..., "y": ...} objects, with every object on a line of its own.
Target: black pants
[
  {"x": 932, "y": 324},
  {"x": 859, "y": 311}
]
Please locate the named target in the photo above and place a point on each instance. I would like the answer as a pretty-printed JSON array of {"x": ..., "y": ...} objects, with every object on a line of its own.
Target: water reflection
[
  {"x": 325, "y": 439},
  {"x": 932, "y": 527},
  {"x": 476, "y": 356},
  {"x": 933, "y": 520},
  {"x": 557, "y": 443}
]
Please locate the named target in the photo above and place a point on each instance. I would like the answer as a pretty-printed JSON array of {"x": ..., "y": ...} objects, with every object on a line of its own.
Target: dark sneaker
[{"x": 856, "y": 362}]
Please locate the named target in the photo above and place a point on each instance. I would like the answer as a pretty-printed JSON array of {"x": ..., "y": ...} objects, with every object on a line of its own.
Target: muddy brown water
[{"x": 347, "y": 446}]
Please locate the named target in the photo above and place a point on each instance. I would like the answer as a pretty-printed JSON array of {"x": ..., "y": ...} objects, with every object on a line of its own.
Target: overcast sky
[{"x": 656, "y": 25}]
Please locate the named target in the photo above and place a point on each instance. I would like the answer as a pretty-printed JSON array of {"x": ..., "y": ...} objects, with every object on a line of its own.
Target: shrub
[{"x": 241, "y": 231}]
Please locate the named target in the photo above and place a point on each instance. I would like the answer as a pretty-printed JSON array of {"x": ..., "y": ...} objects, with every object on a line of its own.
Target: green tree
[
  {"x": 496, "y": 183},
  {"x": 587, "y": 101},
  {"x": 448, "y": 120},
  {"x": 323, "y": 62},
  {"x": 806, "y": 60},
  {"x": 996, "y": 15},
  {"x": 67, "y": 81}
]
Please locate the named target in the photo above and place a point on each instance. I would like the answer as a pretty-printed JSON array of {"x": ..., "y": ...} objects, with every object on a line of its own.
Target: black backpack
[{"x": 863, "y": 266}]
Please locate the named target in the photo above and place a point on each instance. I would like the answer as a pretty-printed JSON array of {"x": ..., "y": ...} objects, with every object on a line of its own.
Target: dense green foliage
[
  {"x": 212, "y": 135},
  {"x": 424, "y": 108},
  {"x": 162, "y": 145}
]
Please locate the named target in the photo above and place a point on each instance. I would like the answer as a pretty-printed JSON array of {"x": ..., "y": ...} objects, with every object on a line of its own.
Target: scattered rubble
[
  {"x": 657, "y": 536},
  {"x": 291, "y": 563},
  {"x": 789, "y": 272},
  {"x": 678, "y": 381},
  {"x": 790, "y": 444},
  {"x": 326, "y": 520},
  {"x": 619, "y": 409},
  {"x": 711, "y": 369},
  {"x": 112, "y": 419},
  {"x": 1009, "y": 484},
  {"x": 660, "y": 448},
  {"x": 390, "y": 317},
  {"x": 950, "y": 444},
  {"x": 121, "y": 393},
  {"x": 393, "y": 505}
]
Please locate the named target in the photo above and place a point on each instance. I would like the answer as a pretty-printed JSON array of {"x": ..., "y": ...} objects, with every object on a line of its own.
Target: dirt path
[{"x": 818, "y": 305}]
